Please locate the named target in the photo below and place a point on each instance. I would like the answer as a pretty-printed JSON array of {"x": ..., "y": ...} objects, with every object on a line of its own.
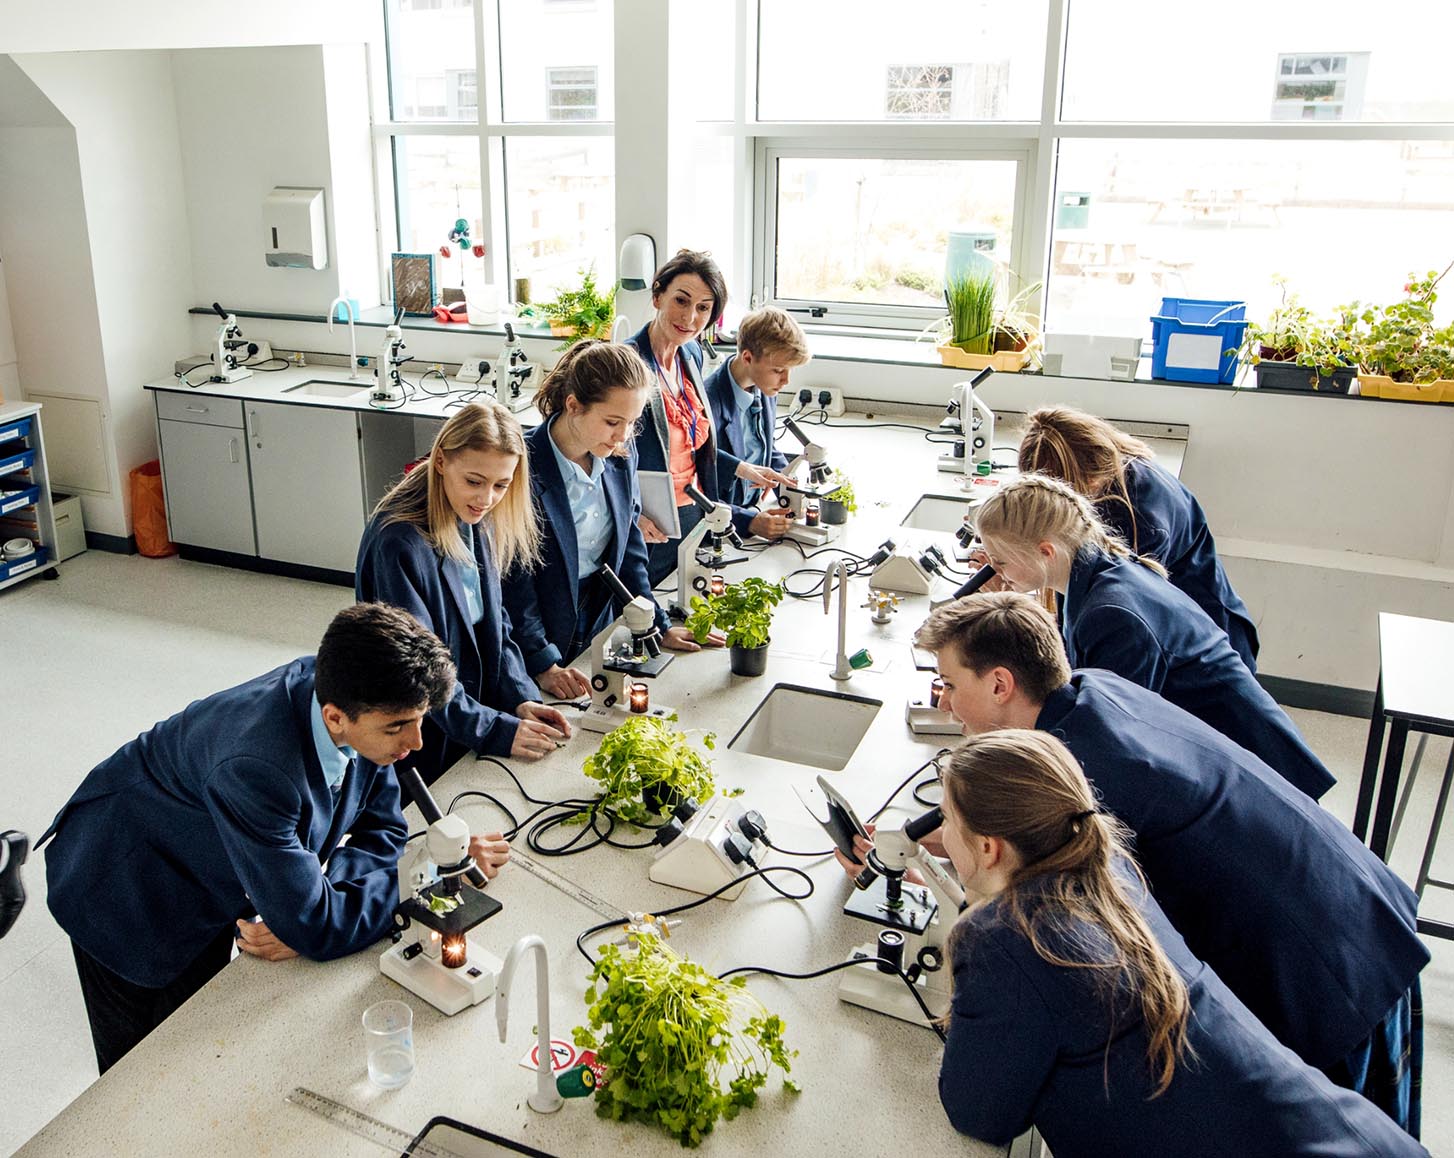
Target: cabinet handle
[
  {"x": 199, "y": 409},
  {"x": 232, "y": 449},
  {"x": 252, "y": 428}
]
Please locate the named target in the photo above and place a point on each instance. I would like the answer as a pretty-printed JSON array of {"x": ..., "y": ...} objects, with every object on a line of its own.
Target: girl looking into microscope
[{"x": 1077, "y": 1008}]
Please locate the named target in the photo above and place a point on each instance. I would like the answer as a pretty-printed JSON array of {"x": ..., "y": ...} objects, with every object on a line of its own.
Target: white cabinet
[
  {"x": 307, "y": 485},
  {"x": 205, "y": 473}
]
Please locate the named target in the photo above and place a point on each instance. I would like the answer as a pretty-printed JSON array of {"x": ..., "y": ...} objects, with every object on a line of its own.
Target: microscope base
[
  {"x": 811, "y": 536},
  {"x": 886, "y": 992},
  {"x": 448, "y": 990},
  {"x": 954, "y": 464},
  {"x": 600, "y": 718},
  {"x": 926, "y": 721},
  {"x": 520, "y": 402},
  {"x": 237, "y": 374}
]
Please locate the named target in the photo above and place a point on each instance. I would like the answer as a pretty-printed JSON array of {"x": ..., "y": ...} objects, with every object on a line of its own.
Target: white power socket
[
  {"x": 475, "y": 368},
  {"x": 264, "y": 352},
  {"x": 825, "y": 398}
]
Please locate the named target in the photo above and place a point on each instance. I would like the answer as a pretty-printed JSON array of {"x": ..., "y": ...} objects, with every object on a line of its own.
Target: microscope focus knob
[{"x": 598, "y": 682}]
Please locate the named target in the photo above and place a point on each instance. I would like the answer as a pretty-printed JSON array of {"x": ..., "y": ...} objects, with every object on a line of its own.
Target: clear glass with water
[{"x": 389, "y": 1033}]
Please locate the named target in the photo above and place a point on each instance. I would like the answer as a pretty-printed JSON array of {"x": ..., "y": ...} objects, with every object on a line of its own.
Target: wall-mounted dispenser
[
  {"x": 638, "y": 262},
  {"x": 293, "y": 232}
]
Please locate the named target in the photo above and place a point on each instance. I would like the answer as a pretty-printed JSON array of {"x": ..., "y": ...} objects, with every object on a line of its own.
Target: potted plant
[
  {"x": 985, "y": 326},
  {"x": 681, "y": 1047},
  {"x": 744, "y": 612},
  {"x": 839, "y": 503},
  {"x": 646, "y": 767},
  {"x": 1298, "y": 351},
  {"x": 581, "y": 313},
  {"x": 1401, "y": 352}
]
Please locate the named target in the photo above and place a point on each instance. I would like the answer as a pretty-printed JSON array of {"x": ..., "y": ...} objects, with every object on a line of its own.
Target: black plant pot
[
  {"x": 749, "y": 661},
  {"x": 834, "y": 513},
  {"x": 1289, "y": 376},
  {"x": 660, "y": 798}
]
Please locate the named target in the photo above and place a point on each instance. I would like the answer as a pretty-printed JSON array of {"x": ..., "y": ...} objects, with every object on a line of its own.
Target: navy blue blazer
[
  {"x": 1031, "y": 1041},
  {"x": 218, "y": 813},
  {"x": 1306, "y": 926},
  {"x": 1166, "y": 522},
  {"x": 1120, "y": 615},
  {"x": 397, "y": 565},
  {"x": 721, "y": 393},
  {"x": 543, "y": 604}
]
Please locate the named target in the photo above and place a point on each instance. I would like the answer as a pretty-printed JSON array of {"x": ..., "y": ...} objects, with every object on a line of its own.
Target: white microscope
[
  {"x": 794, "y": 499},
  {"x": 970, "y": 416},
  {"x": 615, "y": 694},
  {"x": 226, "y": 365},
  {"x": 433, "y": 956},
  {"x": 388, "y": 384},
  {"x": 514, "y": 374},
  {"x": 701, "y": 554}
]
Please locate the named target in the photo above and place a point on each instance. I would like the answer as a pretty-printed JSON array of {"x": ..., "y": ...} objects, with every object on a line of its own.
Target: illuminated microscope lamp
[
  {"x": 796, "y": 499},
  {"x": 617, "y": 687}
]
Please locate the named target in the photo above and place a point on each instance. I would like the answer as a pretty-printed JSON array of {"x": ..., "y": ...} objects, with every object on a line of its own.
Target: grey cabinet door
[
  {"x": 204, "y": 469},
  {"x": 307, "y": 487}
]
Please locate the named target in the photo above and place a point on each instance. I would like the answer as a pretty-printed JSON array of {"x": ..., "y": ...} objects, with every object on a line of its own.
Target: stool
[{"x": 1415, "y": 692}]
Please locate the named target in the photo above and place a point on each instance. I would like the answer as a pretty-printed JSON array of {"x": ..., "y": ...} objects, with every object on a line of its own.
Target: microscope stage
[
  {"x": 649, "y": 668},
  {"x": 871, "y": 904}
]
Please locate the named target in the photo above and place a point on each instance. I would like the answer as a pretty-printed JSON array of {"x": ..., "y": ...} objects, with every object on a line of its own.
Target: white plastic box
[
  {"x": 70, "y": 530},
  {"x": 1092, "y": 356}
]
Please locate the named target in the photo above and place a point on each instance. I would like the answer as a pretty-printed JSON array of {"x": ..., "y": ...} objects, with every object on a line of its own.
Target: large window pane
[
  {"x": 1139, "y": 220},
  {"x": 1250, "y": 60},
  {"x": 878, "y": 230},
  {"x": 432, "y": 74},
  {"x": 557, "y": 60},
  {"x": 438, "y": 182},
  {"x": 921, "y": 60},
  {"x": 561, "y": 208}
]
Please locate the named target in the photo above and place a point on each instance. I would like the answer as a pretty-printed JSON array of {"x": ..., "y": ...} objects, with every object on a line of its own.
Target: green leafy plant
[
  {"x": 1400, "y": 340},
  {"x": 645, "y": 765},
  {"x": 681, "y": 1047},
  {"x": 983, "y": 316},
  {"x": 842, "y": 492},
  {"x": 1294, "y": 334},
  {"x": 743, "y": 611},
  {"x": 586, "y": 310}
]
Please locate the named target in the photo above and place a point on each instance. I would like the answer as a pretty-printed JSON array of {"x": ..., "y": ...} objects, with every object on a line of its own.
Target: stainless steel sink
[
  {"x": 936, "y": 513},
  {"x": 807, "y": 726},
  {"x": 321, "y": 389}
]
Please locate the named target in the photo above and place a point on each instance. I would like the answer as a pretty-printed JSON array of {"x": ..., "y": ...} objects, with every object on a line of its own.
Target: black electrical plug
[
  {"x": 668, "y": 832},
  {"x": 752, "y": 825},
  {"x": 805, "y": 397},
  {"x": 738, "y": 848},
  {"x": 686, "y": 809},
  {"x": 825, "y": 398}
]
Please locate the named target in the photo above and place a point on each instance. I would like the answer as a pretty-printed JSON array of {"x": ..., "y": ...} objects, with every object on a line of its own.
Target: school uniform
[
  {"x": 463, "y": 607},
  {"x": 1303, "y": 923},
  {"x": 557, "y": 608},
  {"x": 1036, "y": 1044},
  {"x": 223, "y": 811},
  {"x": 1166, "y": 522},
  {"x": 653, "y": 442},
  {"x": 746, "y": 421},
  {"x": 1120, "y": 615}
]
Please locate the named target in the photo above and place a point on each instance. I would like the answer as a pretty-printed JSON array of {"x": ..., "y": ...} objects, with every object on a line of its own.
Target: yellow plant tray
[
  {"x": 1006, "y": 361},
  {"x": 1382, "y": 386}
]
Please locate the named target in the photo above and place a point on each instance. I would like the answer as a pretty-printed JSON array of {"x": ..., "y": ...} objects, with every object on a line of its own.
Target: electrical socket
[
  {"x": 474, "y": 369},
  {"x": 825, "y": 398}
]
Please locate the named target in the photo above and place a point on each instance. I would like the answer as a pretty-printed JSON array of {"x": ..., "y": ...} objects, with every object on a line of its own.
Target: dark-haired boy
[{"x": 234, "y": 809}]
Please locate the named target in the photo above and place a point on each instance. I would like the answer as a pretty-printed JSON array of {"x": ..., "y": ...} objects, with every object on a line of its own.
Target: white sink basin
[
  {"x": 807, "y": 726},
  {"x": 321, "y": 389},
  {"x": 936, "y": 513}
]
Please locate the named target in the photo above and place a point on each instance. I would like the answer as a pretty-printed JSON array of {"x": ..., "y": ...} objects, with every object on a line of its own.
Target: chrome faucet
[
  {"x": 352, "y": 339},
  {"x": 841, "y": 668},
  {"x": 546, "y": 1099}
]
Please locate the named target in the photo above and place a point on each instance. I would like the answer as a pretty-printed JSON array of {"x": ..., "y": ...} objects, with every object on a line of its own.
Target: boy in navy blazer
[
  {"x": 743, "y": 395},
  {"x": 1304, "y": 924},
  {"x": 226, "y": 823}
]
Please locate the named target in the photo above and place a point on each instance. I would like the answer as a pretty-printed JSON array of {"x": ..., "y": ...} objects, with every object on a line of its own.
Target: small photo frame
[{"x": 413, "y": 279}]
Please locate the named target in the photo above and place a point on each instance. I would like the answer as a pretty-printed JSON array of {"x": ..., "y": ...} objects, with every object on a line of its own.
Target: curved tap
[
  {"x": 352, "y": 339},
  {"x": 841, "y": 670},
  {"x": 546, "y": 1099}
]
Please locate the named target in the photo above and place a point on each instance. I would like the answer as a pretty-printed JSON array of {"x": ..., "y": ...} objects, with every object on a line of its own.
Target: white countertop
[{"x": 214, "y": 1077}]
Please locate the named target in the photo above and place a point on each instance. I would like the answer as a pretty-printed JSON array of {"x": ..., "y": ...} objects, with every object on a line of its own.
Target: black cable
[
  {"x": 924, "y": 800},
  {"x": 265, "y": 368},
  {"x": 792, "y": 852},
  {"x": 904, "y": 783},
  {"x": 514, "y": 824}
]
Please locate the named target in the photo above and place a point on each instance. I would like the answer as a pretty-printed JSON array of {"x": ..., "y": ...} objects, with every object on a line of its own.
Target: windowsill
[{"x": 885, "y": 348}]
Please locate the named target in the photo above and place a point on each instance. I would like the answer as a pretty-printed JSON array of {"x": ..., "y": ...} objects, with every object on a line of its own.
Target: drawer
[{"x": 199, "y": 408}]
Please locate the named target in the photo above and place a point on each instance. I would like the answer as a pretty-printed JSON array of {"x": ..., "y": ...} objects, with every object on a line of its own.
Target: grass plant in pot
[
  {"x": 985, "y": 326},
  {"x": 1298, "y": 351},
  {"x": 1402, "y": 354},
  {"x": 581, "y": 313},
  {"x": 744, "y": 612},
  {"x": 839, "y": 503},
  {"x": 646, "y": 767}
]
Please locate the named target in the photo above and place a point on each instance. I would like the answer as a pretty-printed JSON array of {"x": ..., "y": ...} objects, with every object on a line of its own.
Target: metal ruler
[
  {"x": 568, "y": 887},
  {"x": 382, "y": 1134}
]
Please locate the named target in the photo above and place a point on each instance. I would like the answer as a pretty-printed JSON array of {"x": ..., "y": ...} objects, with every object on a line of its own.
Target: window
[
  {"x": 1319, "y": 87},
  {"x": 464, "y": 94},
  {"x": 570, "y": 94},
  {"x": 920, "y": 92}
]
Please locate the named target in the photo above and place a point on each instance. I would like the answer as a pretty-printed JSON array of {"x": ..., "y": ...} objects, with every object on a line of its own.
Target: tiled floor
[{"x": 91, "y": 660}]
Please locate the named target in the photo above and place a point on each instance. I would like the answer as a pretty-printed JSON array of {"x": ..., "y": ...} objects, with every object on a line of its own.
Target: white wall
[{"x": 82, "y": 25}]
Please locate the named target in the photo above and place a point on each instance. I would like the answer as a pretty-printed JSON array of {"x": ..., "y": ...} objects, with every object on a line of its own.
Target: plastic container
[
  {"x": 1289, "y": 377},
  {"x": 15, "y": 428},
  {"x": 1092, "y": 356},
  {"x": 1072, "y": 210},
  {"x": 16, "y": 456},
  {"x": 14, "y": 500},
  {"x": 10, "y": 568},
  {"x": 1195, "y": 340}
]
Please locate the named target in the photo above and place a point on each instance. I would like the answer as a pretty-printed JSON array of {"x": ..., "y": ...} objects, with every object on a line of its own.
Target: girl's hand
[
  {"x": 763, "y": 476},
  {"x": 256, "y": 939},
  {"x": 491, "y": 852},
  {"x": 533, "y": 740},
  {"x": 564, "y": 683},
  {"x": 650, "y": 531},
  {"x": 772, "y": 523},
  {"x": 550, "y": 717},
  {"x": 978, "y": 558},
  {"x": 678, "y": 638}
]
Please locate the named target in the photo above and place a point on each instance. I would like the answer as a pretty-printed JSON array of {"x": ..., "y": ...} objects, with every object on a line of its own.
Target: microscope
[
  {"x": 701, "y": 553},
  {"x": 226, "y": 365},
  {"x": 439, "y": 903},
  {"x": 969, "y": 415},
  {"x": 914, "y": 922},
  {"x": 794, "y": 499},
  {"x": 388, "y": 384},
  {"x": 514, "y": 374},
  {"x": 614, "y": 698}
]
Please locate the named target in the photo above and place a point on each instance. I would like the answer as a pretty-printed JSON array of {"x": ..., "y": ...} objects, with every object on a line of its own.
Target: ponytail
[
  {"x": 588, "y": 372},
  {"x": 1026, "y": 788}
]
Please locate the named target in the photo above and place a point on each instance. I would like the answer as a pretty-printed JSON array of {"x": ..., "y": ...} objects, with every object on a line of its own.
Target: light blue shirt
[
  {"x": 588, "y": 507},
  {"x": 754, "y": 445},
  {"x": 469, "y": 577},
  {"x": 333, "y": 758}
]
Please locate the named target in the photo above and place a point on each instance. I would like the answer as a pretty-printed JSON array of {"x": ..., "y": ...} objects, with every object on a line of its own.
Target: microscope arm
[{"x": 899, "y": 850}]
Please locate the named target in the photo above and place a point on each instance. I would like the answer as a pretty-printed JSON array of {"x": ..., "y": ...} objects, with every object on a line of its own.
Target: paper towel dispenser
[{"x": 293, "y": 233}]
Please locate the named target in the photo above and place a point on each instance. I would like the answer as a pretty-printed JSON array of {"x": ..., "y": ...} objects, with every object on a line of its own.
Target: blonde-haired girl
[
  {"x": 1118, "y": 612},
  {"x": 435, "y": 546},
  {"x": 1152, "y": 511},
  {"x": 1079, "y": 1010}
]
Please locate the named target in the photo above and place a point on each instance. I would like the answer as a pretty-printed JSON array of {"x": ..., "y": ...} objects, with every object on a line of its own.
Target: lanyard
[{"x": 683, "y": 396}]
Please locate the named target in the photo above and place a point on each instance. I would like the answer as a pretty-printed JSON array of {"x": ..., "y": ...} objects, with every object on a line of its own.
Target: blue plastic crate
[
  {"x": 15, "y": 428},
  {"x": 10, "y": 569},
  {"x": 1194, "y": 340},
  {"x": 13, "y": 500},
  {"x": 16, "y": 456}
]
